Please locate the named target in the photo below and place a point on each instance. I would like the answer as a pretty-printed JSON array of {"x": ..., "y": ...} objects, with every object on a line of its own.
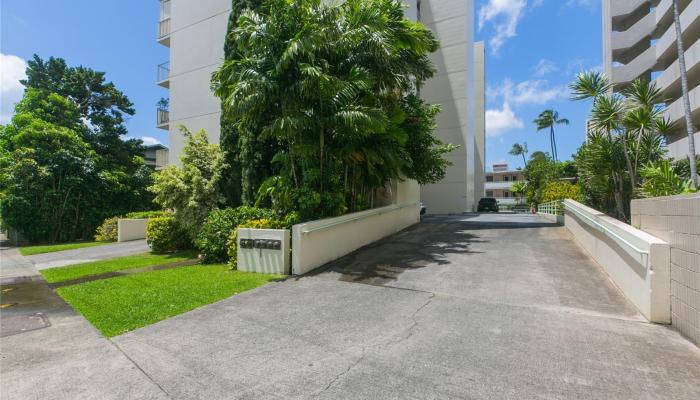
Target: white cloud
[
  {"x": 12, "y": 70},
  {"x": 500, "y": 121},
  {"x": 583, "y": 3},
  {"x": 505, "y": 16},
  {"x": 150, "y": 140},
  {"x": 544, "y": 67},
  {"x": 537, "y": 91}
]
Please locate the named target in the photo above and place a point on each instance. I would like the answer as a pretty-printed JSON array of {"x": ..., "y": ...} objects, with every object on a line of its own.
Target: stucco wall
[
  {"x": 616, "y": 246},
  {"x": 677, "y": 221},
  {"x": 131, "y": 229}
]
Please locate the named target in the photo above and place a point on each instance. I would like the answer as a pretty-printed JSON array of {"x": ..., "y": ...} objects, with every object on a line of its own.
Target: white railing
[
  {"x": 164, "y": 28},
  {"x": 162, "y": 116},
  {"x": 551, "y": 208},
  {"x": 163, "y": 72}
]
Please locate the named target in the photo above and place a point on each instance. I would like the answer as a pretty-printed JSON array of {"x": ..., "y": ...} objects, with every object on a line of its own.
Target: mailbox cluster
[{"x": 266, "y": 244}]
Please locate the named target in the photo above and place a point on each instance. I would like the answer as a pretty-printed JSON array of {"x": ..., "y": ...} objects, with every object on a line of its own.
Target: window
[
  {"x": 489, "y": 193},
  {"x": 505, "y": 179},
  {"x": 515, "y": 178},
  {"x": 489, "y": 178},
  {"x": 506, "y": 194}
]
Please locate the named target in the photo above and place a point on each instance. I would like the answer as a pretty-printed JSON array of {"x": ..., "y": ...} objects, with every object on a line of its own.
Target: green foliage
[
  {"x": 41, "y": 249},
  {"x": 232, "y": 243},
  {"x": 519, "y": 150},
  {"x": 519, "y": 189},
  {"x": 660, "y": 179},
  {"x": 560, "y": 190},
  {"x": 317, "y": 107},
  {"x": 192, "y": 190},
  {"x": 216, "y": 229},
  {"x": 548, "y": 119},
  {"x": 146, "y": 214},
  {"x": 539, "y": 173},
  {"x": 164, "y": 235},
  {"x": 107, "y": 232},
  {"x": 61, "y": 177}
]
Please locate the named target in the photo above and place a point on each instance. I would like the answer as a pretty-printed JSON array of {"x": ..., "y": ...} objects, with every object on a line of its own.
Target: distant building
[
  {"x": 499, "y": 182},
  {"x": 156, "y": 156}
]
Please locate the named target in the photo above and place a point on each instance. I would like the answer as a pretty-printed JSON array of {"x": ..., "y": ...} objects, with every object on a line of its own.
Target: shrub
[
  {"x": 213, "y": 237},
  {"x": 560, "y": 190},
  {"x": 164, "y": 235},
  {"x": 254, "y": 224},
  {"x": 107, "y": 232}
]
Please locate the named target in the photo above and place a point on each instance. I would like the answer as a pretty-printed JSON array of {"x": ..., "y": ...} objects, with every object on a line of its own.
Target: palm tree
[
  {"x": 686, "y": 97},
  {"x": 519, "y": 150},
  {"x": 548, "y": 119},
  {"x": 519, "y": 188}
]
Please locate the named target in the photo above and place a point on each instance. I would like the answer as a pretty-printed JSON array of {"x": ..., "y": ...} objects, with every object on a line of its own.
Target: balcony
[
  {"x": 162, "y": 118},
  {"x": 164, "y": 23},
  {"x": 163, "y": 75}
]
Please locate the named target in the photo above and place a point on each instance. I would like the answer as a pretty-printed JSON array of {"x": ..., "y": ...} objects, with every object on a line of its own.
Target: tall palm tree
[
  {"x": 686, "y": 97},
  {"x": 548, "y": 119},
  {"x": 519, "y": 150}
]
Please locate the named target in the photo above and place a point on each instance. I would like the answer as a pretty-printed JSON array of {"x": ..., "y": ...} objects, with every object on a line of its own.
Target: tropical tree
[
  {"x": 547, "y": 120},
  {"x": 192, "y": 190},
  {"x": 661, "y": 180},
  {"x": 686, "y": 97},
  {"x": 519, "y": 150},
  {"x": 321, "y": 95},
  {"x": 519, "y": 188}
]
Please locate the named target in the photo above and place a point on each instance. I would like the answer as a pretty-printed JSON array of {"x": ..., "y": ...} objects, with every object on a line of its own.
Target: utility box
[{"x": 264, "y": 250}]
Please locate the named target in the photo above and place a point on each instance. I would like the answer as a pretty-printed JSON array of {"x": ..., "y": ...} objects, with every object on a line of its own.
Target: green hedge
[
  {"x": 107, "y": 232},
  {"x": 212, "y": 239},
  {"x": 164, "y": 235}
]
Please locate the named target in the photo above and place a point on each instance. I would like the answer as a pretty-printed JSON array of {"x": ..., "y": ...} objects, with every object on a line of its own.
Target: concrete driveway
[
  {"x": 88, "y": 254},
  {"x": 472, "y": 307}
]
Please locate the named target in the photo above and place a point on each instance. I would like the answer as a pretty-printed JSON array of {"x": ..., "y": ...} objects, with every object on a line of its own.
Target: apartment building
[
  {"x": 639, "y": 41},
  {"x": 499, "y": 183},
  {"x": 194, "y": 31},
  {"x": 155, "y": 156}
]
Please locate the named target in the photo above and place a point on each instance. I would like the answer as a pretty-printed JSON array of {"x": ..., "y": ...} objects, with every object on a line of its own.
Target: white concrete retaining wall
[
  {"x": 131, "y": 229},
  {"x": 316, "y": 243},
  {"x": 676, "y": 219},
  {"x": 558, "y": 219},
  {"x": 637, "y": 262}
]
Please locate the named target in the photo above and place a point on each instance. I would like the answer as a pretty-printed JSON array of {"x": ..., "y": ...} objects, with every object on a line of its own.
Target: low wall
[
  {"x": 131, "y": 229},
  {"x": 676, "y": 220},
  {"x": 558, "y": 219},
  {"x": 316, "y": 243},
  {"x": 637, "y": 262},
  {"x": 263, "y": 250}
]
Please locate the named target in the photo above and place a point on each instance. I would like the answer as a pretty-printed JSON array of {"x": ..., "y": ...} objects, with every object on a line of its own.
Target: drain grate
[{"x": 16, "y": 324}]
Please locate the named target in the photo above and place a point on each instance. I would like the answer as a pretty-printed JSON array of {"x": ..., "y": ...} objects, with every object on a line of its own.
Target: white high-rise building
[
  {"x": 195, "y": 33},
  {"x": 639, "y": 41}
]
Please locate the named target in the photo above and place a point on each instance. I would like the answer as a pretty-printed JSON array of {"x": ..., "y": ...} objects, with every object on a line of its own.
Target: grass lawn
[
  {"x": 50, "y": 248},
  {"x": 60, "y": 274},
  {"x": 118, "y": 305}
]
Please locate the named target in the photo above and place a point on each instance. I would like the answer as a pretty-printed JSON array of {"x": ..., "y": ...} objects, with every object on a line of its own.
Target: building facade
[
  {"x": 156, "y": 156},
  {"x": 499, "y": 183},
  {"x": 639, "y": 41},
  {"x": 195, "y": 31}
]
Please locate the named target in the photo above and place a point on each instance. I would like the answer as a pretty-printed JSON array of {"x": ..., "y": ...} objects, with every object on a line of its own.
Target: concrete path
[
  {"x": 48, "y": 351},
  {"x": 474, "y": 307},
  {"x": 88, "y": 254}
]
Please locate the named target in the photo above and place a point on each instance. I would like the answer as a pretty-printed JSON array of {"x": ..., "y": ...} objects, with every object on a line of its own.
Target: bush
[
  {"x": 164, "y": 235},
  {"x": 107, "y": 232},
  {"x": 254, "y": 224},
  {"x": 213, "y": 237},
  {"x": 560, "y": 190}
]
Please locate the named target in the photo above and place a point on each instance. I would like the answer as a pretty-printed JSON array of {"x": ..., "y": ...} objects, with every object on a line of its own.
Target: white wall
[
  {"x": 644, "y": 279},
  {"x": 131, "y": 229},
  {"x": 198, "y": 30},
  {"x": 319, "y": 242}
]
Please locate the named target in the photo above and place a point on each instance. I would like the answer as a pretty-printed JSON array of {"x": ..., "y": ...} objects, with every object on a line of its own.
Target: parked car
[{"x": 487, "y": 204}]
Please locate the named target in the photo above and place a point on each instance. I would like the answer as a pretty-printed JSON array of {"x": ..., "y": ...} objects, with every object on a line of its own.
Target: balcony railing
[
  {"x": 162, "y": 117},
  {"x": 164, "y": 24},
  {"x": 163, "y": 73}
]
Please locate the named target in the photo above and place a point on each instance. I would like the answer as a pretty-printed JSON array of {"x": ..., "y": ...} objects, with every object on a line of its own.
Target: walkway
[
  {"x": 474, "y": 307},
  {"x": 88, "y": 254}
]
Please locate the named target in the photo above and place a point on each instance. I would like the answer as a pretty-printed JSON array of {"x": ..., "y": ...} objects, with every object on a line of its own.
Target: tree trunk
[
  {"x": 630, "y": 167},
  {"x": 686, "y": 98},
  {"x": 554, "y": 145},
  {"x": 321, "y": 140}
]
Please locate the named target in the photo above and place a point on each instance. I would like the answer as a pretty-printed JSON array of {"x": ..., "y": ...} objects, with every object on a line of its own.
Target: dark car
[{"x": 487, "y": 204}]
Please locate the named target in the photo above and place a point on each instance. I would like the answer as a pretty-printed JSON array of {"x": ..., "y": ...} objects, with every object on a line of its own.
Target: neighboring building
[
  {"x": 639, "y": 41},
  {"x": 156, "y": 156},
  {"x": 195, "y": 31},
  {"x": 499, "y": 182}
]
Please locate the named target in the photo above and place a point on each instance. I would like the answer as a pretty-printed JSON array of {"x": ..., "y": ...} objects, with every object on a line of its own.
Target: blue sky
[{"x": 534, "y": 49}]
